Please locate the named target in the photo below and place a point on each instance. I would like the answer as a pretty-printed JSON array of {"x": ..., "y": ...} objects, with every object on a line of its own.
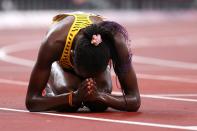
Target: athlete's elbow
[
  {"x": 30, "y": 105},
  {"x": 134, "y": 105}
]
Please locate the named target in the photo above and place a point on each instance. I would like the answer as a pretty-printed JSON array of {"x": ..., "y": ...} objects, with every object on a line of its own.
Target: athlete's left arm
[
  {"x": 127, "y": 78},
  {"x": 131, "y": 100}
]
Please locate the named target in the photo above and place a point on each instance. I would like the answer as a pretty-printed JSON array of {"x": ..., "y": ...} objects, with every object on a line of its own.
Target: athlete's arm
[
  {"x": 38, "y": 80},
  {"x": 131, "y": 102},
  {"x": 49, "y": 52},
  {"x": 127, "y": 79}
]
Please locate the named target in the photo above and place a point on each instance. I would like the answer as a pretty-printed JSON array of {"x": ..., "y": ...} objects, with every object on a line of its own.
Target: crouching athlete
[{"x": 72, "y": 67}]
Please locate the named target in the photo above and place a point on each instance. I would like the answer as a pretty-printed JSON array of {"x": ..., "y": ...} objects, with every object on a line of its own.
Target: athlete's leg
[{"x": 61, "y": 82}]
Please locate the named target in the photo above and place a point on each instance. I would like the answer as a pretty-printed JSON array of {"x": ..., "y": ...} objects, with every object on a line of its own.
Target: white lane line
[
  {"x": 167, "y": 78},
  {"x": 34, "y": 44},
  {"x": 13, "y": 82},
  {"x": 21, "y": 46},
  {"x": 192, "y": 128},
  {"x": 152, "y": 96},
  {"x": 4, "y": 51},
  {"x": 162, "y": 78},
  {"x": 155, "y": 96},
  {"x": 165, "y": 63},
  {"x": 29, "y": 63},
  {"x": 181, "y": 95},
  {"x": 188, "y": 39},
  {"x": 170, "y": 98},
  {"x": 18, "y": 61}
]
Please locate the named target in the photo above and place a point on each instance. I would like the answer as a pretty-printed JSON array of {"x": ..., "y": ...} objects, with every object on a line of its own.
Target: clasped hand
[{"x": 87, "y": 90}]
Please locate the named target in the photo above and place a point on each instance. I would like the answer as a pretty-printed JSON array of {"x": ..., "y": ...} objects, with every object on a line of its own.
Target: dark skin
[{"x": 86, "y": 87}]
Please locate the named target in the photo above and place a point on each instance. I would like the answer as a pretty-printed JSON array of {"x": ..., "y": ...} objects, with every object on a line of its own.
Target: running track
[{"x": 166, "y": 65}]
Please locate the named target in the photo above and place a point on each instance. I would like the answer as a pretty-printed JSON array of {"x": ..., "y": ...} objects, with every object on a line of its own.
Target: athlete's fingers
[
  {"x": 93, "y": 81},
  {"x": 89, "y": 87},
  {"x": 90, "y": 79},
  {"x": 89, "y": 92},
  {"x": 85, "y": 86},
  {"x": 87, "y": 80},
  {"x": 91, "y": 84}
]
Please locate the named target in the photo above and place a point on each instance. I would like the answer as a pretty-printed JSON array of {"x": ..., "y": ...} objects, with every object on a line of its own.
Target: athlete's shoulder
[{"x": 59, "y": 30}]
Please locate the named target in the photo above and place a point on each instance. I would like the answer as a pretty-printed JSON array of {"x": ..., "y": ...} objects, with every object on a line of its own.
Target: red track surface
[{"x": 173, "y": 40}]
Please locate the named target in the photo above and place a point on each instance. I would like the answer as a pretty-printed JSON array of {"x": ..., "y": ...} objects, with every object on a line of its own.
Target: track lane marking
[
  {"x": 192, "y": 128},
  {"x": 165, "y": 41},
  {"x": 4, "y": 51},
  {"x": 181, "y": 95},
  {"x": 152, "y": 96},
  {"x": 165, "y": 63},
  {"x": 170, "y": 98},
  {"x": 13, "y": 82},
  {"x": 29, "y": 63},
  {"x": 155, "y": 96},
  {"x": 98, "y": 119}
]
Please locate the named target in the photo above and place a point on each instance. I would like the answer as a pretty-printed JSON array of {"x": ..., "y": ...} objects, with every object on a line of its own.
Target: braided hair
[
  {"x": 93, "y": 58},
  {"x": 89, "y": 57},
  {"x": 96, "y": 58}
]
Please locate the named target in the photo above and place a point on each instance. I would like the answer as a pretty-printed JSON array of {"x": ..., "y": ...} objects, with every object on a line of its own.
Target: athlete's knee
[{"x": 96, "y": 106}]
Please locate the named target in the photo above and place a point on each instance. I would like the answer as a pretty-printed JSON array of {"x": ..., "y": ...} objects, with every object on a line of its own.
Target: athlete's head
[{"x": 92, "y": 50}]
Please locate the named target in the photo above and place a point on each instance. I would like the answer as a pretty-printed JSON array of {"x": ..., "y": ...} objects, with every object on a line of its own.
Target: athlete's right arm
[
  {"x": 49, "y": 52},
  {"x": 38, "y": 80}
]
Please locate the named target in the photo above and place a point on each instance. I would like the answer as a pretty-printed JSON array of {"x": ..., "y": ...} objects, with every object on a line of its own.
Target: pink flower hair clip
[{"x": 96, "y": 39}]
